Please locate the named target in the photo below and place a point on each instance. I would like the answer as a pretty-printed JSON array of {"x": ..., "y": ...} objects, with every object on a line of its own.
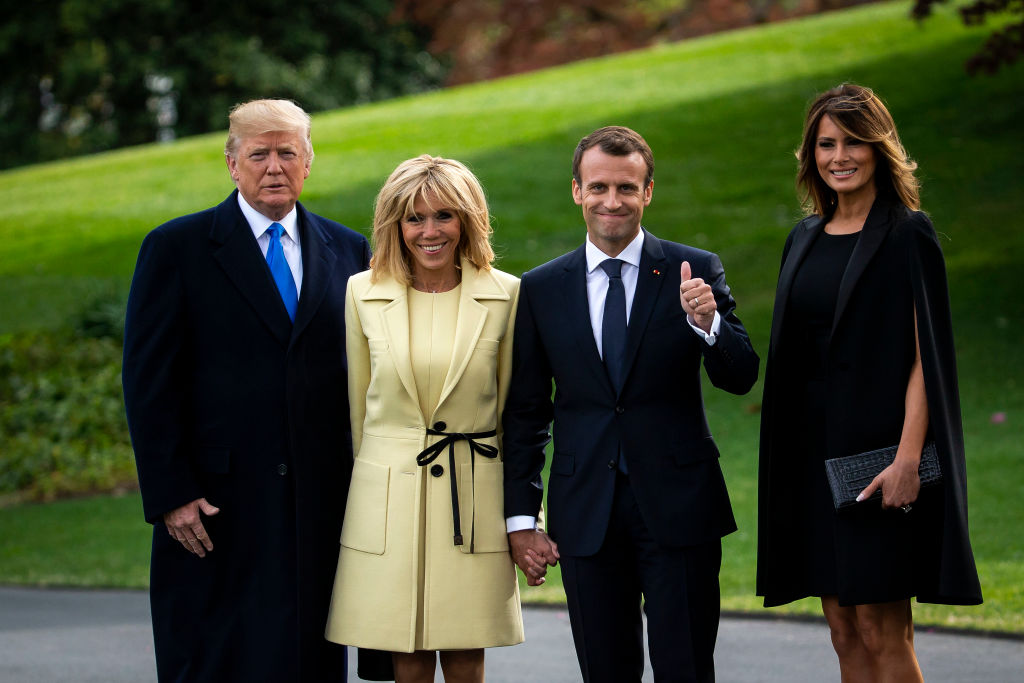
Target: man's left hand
[{"x": 697, "y": 298}]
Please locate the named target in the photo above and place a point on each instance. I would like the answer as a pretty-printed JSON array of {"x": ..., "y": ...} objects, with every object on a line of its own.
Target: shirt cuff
[
  {"x": 709, "y": 337},
  {"x": 520, "y": 522}
]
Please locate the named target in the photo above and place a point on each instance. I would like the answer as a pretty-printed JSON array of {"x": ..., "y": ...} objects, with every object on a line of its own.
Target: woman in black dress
[{"x": 862, "y": 358}]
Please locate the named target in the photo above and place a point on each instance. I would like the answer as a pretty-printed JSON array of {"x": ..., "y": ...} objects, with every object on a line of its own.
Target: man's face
[
  {"x": 269, "y": 171},
  {"x": 613, "y": 196}
]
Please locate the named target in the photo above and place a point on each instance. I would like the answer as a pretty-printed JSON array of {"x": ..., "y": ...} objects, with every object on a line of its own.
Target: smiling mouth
[
  {"x": 844, "y": 174},
  {"x": 432, "y": 248}
]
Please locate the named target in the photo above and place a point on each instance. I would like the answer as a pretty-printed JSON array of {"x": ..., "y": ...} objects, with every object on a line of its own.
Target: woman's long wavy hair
[{"x": 859, "y": 113}]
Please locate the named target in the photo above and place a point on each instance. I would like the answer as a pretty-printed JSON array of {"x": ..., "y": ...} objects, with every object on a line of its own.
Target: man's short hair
[
  {"x": 257, "y": 117},
  {"x": 618, "y": 141}
]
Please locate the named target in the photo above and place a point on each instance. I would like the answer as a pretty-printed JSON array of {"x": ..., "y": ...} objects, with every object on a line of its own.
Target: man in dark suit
[
  {"x": 636, "y": 503},
  {"x": 235, "y": 389}
]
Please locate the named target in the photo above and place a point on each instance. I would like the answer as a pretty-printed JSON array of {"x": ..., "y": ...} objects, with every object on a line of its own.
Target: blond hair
[
  {"x": 859, "y": 113},
  {"x": 448, "y": 183},
  {"x": 256, "y": 117}
]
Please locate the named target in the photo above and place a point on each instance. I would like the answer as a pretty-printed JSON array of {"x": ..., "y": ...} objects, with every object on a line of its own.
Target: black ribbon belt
[{"x": 430, "y": 453}]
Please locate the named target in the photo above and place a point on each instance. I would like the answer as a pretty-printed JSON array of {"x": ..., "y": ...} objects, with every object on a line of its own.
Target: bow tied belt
[{"x": 430, "y": 453}]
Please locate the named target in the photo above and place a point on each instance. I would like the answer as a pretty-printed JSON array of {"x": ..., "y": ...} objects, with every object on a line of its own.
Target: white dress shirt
[
  {"x": 597, "y": 292},
  {"x": 289, "y": 238}
]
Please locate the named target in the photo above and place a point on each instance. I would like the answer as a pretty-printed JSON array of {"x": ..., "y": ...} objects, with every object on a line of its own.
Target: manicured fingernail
[{"x": 860, "y": 497}]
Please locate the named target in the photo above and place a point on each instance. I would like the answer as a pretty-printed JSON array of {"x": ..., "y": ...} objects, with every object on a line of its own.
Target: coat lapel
[
  {"x": 648, "y": 287},
  {"x": 477, "y": 285},
  {"x": 802, "y": 242},
  {"x": 876, "y": 228},
  {"x": 577, "y": 314},
  {"x": 239, "y": 255},
  {"x": 317, "y": 267},
  {"x": 395, "y": 320}
]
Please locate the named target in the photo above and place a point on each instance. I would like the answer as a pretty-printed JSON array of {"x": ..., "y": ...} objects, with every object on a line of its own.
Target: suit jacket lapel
[
  {"x": 876, "y": 227},
  {"x": 317, "y": 267},
  {"x": 577, "y": 313},
  {"x": 648, "y": 287},
  {"x": 802, "y": 242},
  {"x": 239, "y": 255},
  {"x": 476, "y": 286}
]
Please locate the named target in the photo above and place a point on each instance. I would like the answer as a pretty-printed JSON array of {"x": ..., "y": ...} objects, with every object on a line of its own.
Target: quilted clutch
[{"x": 848, "y": 476}]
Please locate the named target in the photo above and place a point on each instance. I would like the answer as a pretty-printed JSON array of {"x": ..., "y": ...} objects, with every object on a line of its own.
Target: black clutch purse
[{"x": 848, "y": 476}]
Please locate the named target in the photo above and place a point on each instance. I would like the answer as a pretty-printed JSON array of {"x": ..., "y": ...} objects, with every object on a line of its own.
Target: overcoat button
[
  {"x": 436, "y": 470},
  {"x": 440, "y": 426},
  {"x": 282, "y": 469},
  {"x": 619, "y": 410},
  {"x": 611, "y": 464}
]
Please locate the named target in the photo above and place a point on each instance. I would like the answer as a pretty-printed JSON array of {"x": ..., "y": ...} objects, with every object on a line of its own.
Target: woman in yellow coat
[{"x": 424, "y": 563}]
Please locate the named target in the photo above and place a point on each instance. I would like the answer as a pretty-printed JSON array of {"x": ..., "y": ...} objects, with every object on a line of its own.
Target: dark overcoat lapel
[
  {"x": 239, "y": 255},
  {"x": 318, "y": 263}
]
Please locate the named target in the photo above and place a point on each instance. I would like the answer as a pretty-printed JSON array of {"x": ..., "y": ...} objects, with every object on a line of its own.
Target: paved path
[{"x": 52, "y": 636}]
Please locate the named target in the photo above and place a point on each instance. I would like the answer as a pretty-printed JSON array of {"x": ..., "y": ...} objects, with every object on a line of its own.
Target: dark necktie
[
  {"x": 613, "y": 331},
  {"x": 613, "y": 328},
  {"x": 280, "y": 271}
]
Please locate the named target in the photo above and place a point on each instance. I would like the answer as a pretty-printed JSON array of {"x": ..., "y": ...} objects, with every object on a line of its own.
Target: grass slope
[{"x": 723, "y": 114}]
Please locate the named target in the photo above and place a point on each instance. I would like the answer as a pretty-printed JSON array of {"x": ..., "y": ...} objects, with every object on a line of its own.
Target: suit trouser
[{"x": 680, "y": 592}]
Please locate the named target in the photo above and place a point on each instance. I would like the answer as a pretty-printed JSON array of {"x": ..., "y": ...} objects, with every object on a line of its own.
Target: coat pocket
[
  {"x": 366, "y": 514},
  {"x": 483, "y": 513}
]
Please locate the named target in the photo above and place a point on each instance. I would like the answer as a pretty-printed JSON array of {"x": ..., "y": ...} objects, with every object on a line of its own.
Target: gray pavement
[{"x": 51, "y": 636}]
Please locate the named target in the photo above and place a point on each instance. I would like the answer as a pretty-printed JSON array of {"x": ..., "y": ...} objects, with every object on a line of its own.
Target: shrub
[{"x": 62, "y": 425}]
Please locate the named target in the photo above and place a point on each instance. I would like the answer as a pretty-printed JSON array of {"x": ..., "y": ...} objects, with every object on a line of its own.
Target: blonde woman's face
[{"x": 431, "y": 235}]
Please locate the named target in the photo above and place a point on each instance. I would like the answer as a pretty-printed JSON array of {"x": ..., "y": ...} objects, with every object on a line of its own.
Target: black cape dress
[{"x": 860, "y": 370}]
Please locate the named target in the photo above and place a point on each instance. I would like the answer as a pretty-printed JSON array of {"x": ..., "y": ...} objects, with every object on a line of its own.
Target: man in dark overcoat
[{"x": 235, "y": 389}]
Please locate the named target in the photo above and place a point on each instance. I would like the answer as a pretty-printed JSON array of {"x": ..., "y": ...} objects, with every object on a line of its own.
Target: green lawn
[{"x": 723, "y": 115}]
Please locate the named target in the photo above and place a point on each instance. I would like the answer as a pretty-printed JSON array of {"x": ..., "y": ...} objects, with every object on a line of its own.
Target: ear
[
  {"x": 648, "y": 193},
  {"x": 577, "y": 192},
  {"x": 232, "y": 166}
]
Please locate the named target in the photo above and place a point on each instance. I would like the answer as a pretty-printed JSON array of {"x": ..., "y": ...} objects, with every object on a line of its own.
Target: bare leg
[
  {"x": 854, "y": 660},
  {"x": 463, "y": 666},
  {"x": 414, "y": 667},
  {"x": 887, "y": 631}
]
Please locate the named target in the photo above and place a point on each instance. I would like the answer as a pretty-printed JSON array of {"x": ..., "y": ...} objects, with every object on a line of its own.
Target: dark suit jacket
[
  {"x": 227, "y": 399},
  {"x": 657, "y": 417},
  {"x": 895, "y": 269}
]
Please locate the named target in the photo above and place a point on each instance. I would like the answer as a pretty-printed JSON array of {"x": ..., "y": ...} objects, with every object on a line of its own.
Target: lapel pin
[{"x": 656, "y": 271}]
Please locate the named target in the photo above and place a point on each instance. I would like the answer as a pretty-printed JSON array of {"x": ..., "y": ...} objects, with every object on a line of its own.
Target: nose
[
  {"x": 430, "y": 227},
  {"x": 612, "y": 200},
  {"x": 273, "y": 163}
]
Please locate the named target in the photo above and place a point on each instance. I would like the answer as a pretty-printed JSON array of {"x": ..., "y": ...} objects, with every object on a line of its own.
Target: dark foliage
[
  {"x": 1003, "y": 47},
  {"x": 87, "y": 75}
]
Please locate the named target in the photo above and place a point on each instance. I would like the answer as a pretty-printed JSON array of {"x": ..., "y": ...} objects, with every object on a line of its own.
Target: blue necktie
[
  {"x": 613, "y": 331},
  {"x": 280, "y": 271}
]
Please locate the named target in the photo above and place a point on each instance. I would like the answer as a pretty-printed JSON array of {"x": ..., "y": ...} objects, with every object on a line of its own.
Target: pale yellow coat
[{"x": 401, "y": 583}]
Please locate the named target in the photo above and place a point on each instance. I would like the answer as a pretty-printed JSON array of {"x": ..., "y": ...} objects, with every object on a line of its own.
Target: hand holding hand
[
  {"x": 697, "y": 299},
  {"x": 185, "y": 526},
  {"x": 900, "y": 484},
  {"x": 532, "y": 551}
]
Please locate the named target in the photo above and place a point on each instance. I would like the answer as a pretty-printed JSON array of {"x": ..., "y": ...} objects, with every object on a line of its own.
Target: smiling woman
[{"x": 424, "y": 562}]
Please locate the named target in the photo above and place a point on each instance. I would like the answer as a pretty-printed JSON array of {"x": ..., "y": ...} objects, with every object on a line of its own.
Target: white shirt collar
[
  {"x": 631, "y": 254},
  {"x": 259, "y": 223}
]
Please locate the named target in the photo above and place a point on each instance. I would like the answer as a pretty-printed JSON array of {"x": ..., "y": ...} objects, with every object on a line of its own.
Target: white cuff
[
  {"x": 709, "y": 337},
  {"x": 520, "y": 522}
]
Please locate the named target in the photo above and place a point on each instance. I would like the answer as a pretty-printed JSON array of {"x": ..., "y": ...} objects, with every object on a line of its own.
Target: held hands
[
  {"x": 185, "y": 526},
  {"x": 533, "y": 550},
  {"x": 900, "y": 484},
  {"x": 697, "y": 299}
]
